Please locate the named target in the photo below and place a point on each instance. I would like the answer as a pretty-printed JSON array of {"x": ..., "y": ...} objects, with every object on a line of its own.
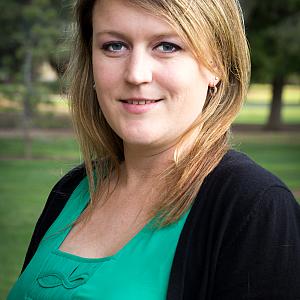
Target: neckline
[{"x": 146, "y": 228}]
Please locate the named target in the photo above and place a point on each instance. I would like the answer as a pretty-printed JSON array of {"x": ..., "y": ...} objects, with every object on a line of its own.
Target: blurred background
[{"x": 37, "y": 145}]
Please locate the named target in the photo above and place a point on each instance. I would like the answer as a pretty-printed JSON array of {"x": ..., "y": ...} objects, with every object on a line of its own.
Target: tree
[
  {"x": 33, "y": 29},
  {"x": 9, "y": 60},
  {"x": 273, "y": 30}
]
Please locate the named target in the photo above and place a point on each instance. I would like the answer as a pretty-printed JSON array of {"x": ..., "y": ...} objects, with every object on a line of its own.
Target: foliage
[
  {"x": 273, "y": 30},
  {"x": 15, "y": 92},
  {"x": 33, "y": 25}
]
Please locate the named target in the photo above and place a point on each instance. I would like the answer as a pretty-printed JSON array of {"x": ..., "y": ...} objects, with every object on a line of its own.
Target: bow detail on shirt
[{"x": 50, "y": 280}]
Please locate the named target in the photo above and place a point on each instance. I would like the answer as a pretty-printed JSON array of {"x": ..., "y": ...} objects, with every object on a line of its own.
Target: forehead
[{"x": 121, "y": 15}]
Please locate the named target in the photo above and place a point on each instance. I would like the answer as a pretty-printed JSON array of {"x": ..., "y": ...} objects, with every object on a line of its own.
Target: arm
[{"x": 263, "y": 259}]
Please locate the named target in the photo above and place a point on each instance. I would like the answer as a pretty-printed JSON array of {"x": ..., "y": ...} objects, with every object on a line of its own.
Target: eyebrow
[{"x": 124, "y": 36}]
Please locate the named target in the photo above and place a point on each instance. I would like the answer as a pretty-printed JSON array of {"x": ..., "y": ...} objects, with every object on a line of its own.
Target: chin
[
  {"x": 150, "y": 144},
  {"x": 139, "y": 142},
  {"x": 137, "y": 137}
]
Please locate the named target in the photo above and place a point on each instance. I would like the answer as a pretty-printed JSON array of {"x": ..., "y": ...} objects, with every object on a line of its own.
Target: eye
[
  {"x": 114, "y": 47},
  {"x": 167, "y": 47}
]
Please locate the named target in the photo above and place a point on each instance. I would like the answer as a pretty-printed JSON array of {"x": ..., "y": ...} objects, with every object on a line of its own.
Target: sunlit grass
[
  {"x": 48, "y": 148},
  {"x": 277, "y": 152},
  {"x": 262, "y": 93},
  {"x": 259, "y": 115}
]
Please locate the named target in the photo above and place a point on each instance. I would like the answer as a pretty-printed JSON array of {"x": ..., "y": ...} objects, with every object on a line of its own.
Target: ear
[{"x": 214, "y": 81}]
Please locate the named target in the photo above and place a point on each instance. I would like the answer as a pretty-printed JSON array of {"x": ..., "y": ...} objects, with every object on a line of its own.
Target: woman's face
[{"x": 149, "y": 85}]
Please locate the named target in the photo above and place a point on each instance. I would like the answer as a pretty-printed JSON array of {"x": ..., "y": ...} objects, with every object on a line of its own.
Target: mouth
[{"x": 140, "y": 101}]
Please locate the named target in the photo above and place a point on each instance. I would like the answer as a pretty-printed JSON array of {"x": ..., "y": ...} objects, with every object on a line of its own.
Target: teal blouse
[{"x": 140, "y": 270}]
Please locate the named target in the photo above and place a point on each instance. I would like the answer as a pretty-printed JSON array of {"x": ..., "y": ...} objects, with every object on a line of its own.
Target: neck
[
  {"x": 142, "y": 165},
  {"x": 142, "y": 168}
]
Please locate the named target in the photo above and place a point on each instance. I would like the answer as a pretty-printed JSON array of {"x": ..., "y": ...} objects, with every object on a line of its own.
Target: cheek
[
  {"x": 107, "y": 83},
  {"x": 106, "y": 75},
  {"x": 185, "y": 74},
  {"x": 186, "y": 82},
  {"x": 104, "y": 78},
  {"x": 188, "y": 85}
]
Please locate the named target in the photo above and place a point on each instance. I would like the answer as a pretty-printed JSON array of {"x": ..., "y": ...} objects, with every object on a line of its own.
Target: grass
[
  {"x": 262, "y": 93},
  {"x": 25, "y": 184},
  {"x": 277, "y": 152},
  {"x": 24, "y": 189},
  {"x": 50, "y": 148},
  {"x": 256, "y": 109},
  {"x": 259, "y": 115}
]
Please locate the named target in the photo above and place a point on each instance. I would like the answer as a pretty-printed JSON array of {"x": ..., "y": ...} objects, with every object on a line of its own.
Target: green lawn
[
  {"x": 256, "y": 107},
  {"x": 25, "y": 184},
  {"x": 277, "y": 152},
  {"x": 48, "y": 148},
  {"x": 255, "y": 114},
  {"x": 262, "y": 93}
]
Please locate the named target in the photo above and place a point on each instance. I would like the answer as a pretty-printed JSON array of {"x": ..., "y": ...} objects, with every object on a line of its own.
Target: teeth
[{"x": 140, "y": 102}]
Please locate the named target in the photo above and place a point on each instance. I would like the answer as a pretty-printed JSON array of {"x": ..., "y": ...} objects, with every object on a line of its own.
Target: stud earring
[{"x": 94, "y": 85}]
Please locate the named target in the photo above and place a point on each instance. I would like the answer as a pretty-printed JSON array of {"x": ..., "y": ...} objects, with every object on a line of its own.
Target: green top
[{"x": 140, "y": 270}]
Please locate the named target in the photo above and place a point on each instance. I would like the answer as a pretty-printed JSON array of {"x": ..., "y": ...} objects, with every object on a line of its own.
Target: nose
[{"x": 139, "y": 68}]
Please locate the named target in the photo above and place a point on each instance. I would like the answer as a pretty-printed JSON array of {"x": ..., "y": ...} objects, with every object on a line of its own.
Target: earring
[
  {"x": 94, "y": 85},
  {"x": 213, "y": 90}
]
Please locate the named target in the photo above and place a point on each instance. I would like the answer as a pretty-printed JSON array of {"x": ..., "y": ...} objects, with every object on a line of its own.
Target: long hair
[{"x": 214, "y": 31}]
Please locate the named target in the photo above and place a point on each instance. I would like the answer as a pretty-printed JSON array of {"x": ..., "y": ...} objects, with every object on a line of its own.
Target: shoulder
[
  {"x": 60, "y": 194},
  {"x": 239, "y": 181},
  {"x": 243, "y": 228},
  {"x": 239, "y": 193},
  {"x": 56, "y": 201},
  {"x": 70, "y": 180},
  {"x": 259, "y": 229},
  {"x": 238, "y": 173}
]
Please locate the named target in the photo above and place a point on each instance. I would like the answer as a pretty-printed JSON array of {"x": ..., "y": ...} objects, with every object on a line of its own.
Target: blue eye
[
  {"x": 168, "y": 47},
  {"x": 113, "y": 46}
]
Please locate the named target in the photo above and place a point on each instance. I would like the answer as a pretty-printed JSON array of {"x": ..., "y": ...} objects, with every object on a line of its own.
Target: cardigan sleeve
[{"x": 263, "y": 259}]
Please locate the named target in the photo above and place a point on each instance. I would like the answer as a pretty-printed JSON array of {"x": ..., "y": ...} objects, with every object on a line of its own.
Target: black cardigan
[{"x": 241, "y": 239}]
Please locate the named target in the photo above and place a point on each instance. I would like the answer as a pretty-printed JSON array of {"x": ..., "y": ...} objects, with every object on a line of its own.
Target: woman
[{"x": 162, "y": 209}]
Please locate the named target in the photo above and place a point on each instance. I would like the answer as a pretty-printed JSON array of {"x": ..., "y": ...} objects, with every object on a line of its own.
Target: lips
[
  {"x": 140, "y": 101},
  {"x": 140, "y": 105}
]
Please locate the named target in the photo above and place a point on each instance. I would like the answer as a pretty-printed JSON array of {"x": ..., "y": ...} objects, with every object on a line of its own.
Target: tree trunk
[
  {"x": 274, "y": 121},
  {"x": 27, "y": 111}
]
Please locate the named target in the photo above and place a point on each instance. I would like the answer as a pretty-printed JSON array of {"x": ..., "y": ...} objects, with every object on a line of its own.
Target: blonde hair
[{"x": 214, "y": 31}]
